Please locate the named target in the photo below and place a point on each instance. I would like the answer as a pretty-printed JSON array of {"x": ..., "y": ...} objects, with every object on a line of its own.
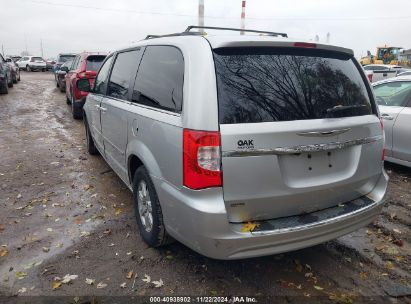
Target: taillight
[
  {"x": 81, "y": 75},
  {"x": 201, "y": 159},
  {"x": 370, "y": 77},
  {"x": 305, "y": 45}
]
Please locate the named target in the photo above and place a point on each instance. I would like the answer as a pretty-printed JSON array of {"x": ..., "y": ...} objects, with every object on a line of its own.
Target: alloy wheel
[{"x": 145, "y": 209}]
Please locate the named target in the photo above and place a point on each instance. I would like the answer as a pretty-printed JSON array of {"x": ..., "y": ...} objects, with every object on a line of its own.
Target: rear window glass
[
  {"x": 280, "y": 84},
  {"x": 64, "y": 58},
  {"x": 94, "y": 62},
  {"x": 37, "y": 59}
]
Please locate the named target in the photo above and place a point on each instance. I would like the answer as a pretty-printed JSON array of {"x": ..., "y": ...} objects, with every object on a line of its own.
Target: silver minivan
[{"x": 239, "y": 145}]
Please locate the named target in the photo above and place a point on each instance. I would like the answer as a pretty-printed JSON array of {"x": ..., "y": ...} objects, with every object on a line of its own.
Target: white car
[
  {"x": 394, "y": 100},
  {"x": 382, "y": 71},
  {"x": 32, "y": 63}
]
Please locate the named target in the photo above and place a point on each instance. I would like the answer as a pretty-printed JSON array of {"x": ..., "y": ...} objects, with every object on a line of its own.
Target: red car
[{"x": 85, "y": 65}]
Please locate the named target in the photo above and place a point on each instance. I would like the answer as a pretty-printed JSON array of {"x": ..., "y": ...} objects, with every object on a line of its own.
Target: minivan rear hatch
[{"x": 299, "y": 130}]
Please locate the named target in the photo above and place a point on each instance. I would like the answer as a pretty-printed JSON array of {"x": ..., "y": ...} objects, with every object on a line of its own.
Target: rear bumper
[
  {"x": 36, "y": 67},
  {"x": 203, "y": 225}
]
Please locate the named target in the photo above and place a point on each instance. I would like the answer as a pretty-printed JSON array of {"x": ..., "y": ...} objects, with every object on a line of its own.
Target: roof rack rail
[
  {"x": 185, "y": 33},
  {"x": 189, "y": 28}
]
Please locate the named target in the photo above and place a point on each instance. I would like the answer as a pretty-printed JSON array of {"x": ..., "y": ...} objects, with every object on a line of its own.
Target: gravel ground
[{"x": 65, "y": 212}]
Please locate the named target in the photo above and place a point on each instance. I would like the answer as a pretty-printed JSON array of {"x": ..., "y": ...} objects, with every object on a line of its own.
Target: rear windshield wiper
[{"x": 343, "y": 108}]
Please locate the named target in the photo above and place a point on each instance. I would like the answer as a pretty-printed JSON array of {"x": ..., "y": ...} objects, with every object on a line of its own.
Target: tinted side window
[
  {"x": 124, "y": 67},
  {"x": 100, "y": 84},
  {"x": 159, "y": 81}
]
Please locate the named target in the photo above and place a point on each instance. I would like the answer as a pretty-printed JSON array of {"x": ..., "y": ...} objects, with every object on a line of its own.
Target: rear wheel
[
  {"x": 18, "y": 75},
  {"x": 43, "y": 70},
  {"x": 10, "y": 84},
  {"x": 15, "y": 78},
  {"x": 148, "y": 210},
  {"x": 91, "y": 148},
  {"x": 75, "y": 109},
  {"x": 4, "y": 88}
]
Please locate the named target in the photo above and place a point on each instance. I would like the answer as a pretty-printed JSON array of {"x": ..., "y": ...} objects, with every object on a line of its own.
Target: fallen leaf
[
  {"x": 318, "y": 287},
  {"x": 129, "y": 275},
  {"x": 123, "y": 285},
  {"x": 396, "y": 231},
  {"x": 18, "y": 196},
  {"x": 46, "y": 249},
  {"x": 90, "y": 281},
  {"x": 3, "y": 252},
  {"x": 147, "y": 278},
  {"x": 68, "y": 278},
  {"x": 389, "y": 265},
  {"x": 363, "y": 275},
  {"x": 20, "y": 275},
  {"x": 158, "y": 283},
  {"x": 101, "y": 285},
  {"x": 85, "y": 233},
  {"x": 56, "y": 284},
  {"x": 22, "y": 290},
  {"x": 59, "y": 245},
  {"x": 249, "y": 227}
]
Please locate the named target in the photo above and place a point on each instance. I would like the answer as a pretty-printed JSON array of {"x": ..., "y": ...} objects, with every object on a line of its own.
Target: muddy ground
[{"x": 65, "y": 212}]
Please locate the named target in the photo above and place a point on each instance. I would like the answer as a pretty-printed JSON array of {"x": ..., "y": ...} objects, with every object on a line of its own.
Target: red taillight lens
[
  {"x": 201, "y": 159},
  {"x": 370, "y": 77},
  {"x": 305, "y": 45}
]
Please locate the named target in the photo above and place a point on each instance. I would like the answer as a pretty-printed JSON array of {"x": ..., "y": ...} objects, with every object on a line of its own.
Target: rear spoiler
[{"x": 273, "y": 43}]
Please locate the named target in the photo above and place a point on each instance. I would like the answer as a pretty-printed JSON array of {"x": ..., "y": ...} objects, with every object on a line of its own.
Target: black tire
[
  {"x": 91, "y": 148},
  {"x": 62, "y": 90},
  {"x": 15, "y": 79},
  {"x": 4, "y": 89},
  {"x": 57, "y": 84},
  {"x": 75, "y": 110},
  {"x": 43, "y": 70},
  {"x": 28, "y": 68},
  {"x": 158, "y": 235},
  {"x": 11, "y": 83},
  {"x": 18, "y": 78}
]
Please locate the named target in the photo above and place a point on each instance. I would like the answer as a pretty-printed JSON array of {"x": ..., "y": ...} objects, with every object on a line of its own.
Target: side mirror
[
  {"x": 64, "y": 69},
  {"x": 83, "y": 84}
]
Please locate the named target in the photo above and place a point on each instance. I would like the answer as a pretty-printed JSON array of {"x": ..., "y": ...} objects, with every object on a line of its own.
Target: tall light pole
[
  {"x": 41, "y": 47},
  {"x": 201, "y": 13},
  {"x": 242, "y": 16}
]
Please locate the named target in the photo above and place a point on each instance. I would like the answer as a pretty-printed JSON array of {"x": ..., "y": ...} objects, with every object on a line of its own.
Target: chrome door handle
[{"x": 387, "y": 117}]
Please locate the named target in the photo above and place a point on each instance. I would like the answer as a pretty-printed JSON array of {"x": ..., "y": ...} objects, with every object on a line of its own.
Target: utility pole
[
  {"x": 41, "y": 47},
  {"x": 201, "y": 13},
  {"x": 242, "y": 17}
]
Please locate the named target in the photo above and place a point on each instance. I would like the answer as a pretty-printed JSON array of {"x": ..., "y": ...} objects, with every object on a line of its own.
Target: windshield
[
  {"x": 393, "y": 93},
  {"x": 273, "y": 84}
]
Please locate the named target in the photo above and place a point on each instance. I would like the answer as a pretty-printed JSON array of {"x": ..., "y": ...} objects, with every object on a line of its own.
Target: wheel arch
[{"x": 138, "y": 154}]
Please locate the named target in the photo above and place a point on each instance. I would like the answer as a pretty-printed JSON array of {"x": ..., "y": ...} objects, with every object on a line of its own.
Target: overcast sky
[{"x": 104, "y": 25}]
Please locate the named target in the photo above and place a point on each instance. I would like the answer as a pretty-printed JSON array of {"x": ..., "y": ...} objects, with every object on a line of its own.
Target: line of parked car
[
  {"x": 9, "y": 74},
  {"x": 70, "y": 68}
]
